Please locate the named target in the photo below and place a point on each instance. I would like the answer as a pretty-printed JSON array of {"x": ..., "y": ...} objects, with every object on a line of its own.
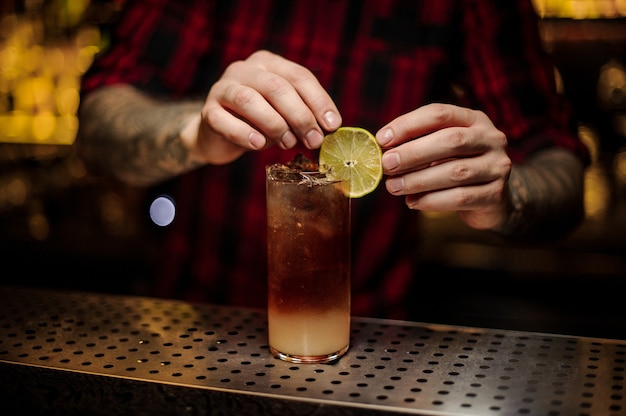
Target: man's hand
[
  {"x": 448, "y": 158},
  {"x": 262, "y": 101}
]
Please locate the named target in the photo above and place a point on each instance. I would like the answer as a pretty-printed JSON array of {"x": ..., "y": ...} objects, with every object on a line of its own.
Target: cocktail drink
[{"x": 308, "y": 224}]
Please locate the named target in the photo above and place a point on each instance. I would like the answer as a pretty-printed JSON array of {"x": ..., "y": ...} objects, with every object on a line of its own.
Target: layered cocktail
[{"x": 308, "y": 216}]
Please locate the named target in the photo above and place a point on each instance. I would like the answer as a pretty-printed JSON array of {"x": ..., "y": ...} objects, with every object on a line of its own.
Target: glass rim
[{"x": 306, "y": 176}]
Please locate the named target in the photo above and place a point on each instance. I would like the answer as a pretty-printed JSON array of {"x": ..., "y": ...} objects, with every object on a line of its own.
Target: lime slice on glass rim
[{"x": 352, "y": 153}]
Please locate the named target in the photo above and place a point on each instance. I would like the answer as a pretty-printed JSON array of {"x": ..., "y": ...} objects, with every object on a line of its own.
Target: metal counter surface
[{"x": 64, "y": 352}]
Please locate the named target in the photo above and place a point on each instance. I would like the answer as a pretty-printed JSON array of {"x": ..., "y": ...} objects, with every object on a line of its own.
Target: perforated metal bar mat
[{"x": 83, "y": 353}]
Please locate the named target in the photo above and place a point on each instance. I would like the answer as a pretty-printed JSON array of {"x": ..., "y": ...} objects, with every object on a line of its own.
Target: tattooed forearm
[
  {"x": 546, "y": 197},
  {"x": 133, "y": 137}
]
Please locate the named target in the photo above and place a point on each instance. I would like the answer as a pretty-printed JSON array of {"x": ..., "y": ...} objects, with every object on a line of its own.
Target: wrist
[
  {"x": 513, "y": 219},
  {"x": 189, "y": 134}
]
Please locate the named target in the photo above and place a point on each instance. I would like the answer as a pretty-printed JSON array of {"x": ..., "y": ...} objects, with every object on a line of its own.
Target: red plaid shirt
[{"x": 378, "y": 59}]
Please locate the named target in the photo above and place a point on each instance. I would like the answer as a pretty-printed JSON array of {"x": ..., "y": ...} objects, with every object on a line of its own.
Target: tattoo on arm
[
  {"x": 134, "y": 137},
  {"x": 547, "y": 198}
]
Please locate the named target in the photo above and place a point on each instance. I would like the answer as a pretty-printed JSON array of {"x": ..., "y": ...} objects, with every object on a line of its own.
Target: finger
[
  {"x": 232, "y": 128},
  {"x": 422, "y": 121},
  {"x": 245, "y": 103},
  {"x": 289, "y": 104},
  {"x": 466, "y": 198},
  {"x": 307, "y": 86},
  {"x": 435, "y": 148},
  {"x": 269, "y": 102},
  {"x": 450, "y": 174},
  {"x": 316, "y": 98}
]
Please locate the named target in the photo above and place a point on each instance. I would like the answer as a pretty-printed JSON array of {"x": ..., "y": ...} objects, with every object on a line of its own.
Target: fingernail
[
  {"x": 391, "y": 160},
  {"x": 288, "y": 140},
  {"x": 395, "y": 185},
  {"x": 257, "y": 141},
  {"x": 384, "y": 137},
  {"x": 332, "y": 120},
  {"x": 313, "y": 139}
]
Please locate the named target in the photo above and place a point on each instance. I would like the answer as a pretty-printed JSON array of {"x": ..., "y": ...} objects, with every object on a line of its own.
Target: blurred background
[{"x": 62, "y": 228}]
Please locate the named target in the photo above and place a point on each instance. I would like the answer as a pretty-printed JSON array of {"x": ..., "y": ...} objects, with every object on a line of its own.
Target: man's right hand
[{"x": 258, "y": 102}]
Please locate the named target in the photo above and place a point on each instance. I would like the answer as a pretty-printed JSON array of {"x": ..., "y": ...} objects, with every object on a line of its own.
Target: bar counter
[{"x": 78, "y": 353}]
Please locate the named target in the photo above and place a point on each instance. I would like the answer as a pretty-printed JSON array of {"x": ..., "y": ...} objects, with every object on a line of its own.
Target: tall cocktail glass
[{"x": 308, "y": 224}]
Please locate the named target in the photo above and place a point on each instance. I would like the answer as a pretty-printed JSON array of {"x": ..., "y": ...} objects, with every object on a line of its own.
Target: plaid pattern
[{"x": 378, "y": 59}]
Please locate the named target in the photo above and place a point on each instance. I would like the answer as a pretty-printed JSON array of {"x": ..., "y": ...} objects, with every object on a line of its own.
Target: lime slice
[{"x": 352, "y": 153}]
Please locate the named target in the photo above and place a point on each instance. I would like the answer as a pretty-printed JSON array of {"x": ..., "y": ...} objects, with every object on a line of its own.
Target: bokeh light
[
  {"x": 43, "y": 54},
  {"x": 581, "y": 9},
  {"x": 162, "y": 211}
]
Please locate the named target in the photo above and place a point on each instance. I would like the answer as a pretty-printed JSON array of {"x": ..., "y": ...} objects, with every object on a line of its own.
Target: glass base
[{"x": 314, "y": 359}]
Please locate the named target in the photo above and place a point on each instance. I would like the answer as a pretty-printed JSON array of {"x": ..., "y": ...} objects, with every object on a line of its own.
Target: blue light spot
[{"x": 162, "y": 211}]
